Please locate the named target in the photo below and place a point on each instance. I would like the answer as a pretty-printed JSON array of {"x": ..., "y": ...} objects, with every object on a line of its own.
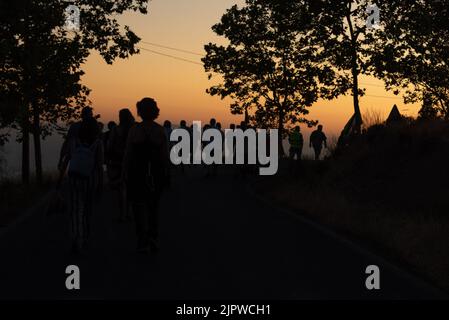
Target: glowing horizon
[{"x": 179, "y": 87}]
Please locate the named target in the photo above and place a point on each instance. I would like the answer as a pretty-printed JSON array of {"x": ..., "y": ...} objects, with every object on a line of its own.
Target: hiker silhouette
[
  {"x": 183, "y": 126},
  {"x": 145, "y": 172},
  {"x": 245, "y": 168},
  {"x": 317, "y": 140},
  {"x": 72, "y": 134},
  {"x": 168, "y": 130},
  {"x": 111, "y": 125},
  {"x": 296, "y": 141},
  {"x": 85, "y": 171},
  {"x": 115, "y": 149}
]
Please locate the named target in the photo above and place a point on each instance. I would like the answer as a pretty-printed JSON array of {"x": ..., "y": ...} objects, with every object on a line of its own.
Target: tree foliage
[
  {"x": 270, "y": 65},
  {"x": 40, "y": 61},
  {"x": 412, "y": 52},
  {"x": 341, "y": 29}
]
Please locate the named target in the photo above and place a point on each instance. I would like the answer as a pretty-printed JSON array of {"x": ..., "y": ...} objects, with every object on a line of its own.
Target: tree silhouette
[
  {"x": 271, "y": 64},
  {"x": 411, "y": 52},
  {"x": 41, "y": 61},
  {"x": 340, "y": 29}
]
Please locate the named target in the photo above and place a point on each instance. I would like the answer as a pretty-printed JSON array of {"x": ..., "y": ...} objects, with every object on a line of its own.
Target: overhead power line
[
  {"x": 171, "y": 56},
  {"x": 384, "y": 97},
  {"x": 172, "y": 48},
  {"x": 200, "y": 64},
  {"x": 371, "y": 85}
]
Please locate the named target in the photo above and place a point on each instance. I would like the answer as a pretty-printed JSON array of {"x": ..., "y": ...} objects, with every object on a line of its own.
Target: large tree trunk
[
  {"x": 355, "y": 75},
  {"x": 246, "y": 116},
  {"x": 355, "y": 93},
  {"x": 25, "y": 153},
  {"x": 37, "y": 145}
]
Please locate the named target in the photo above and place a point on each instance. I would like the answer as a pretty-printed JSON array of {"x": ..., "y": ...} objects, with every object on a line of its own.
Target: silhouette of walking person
[
  {"x": 106, "y": 136},
  {"x": 85, "y": 170},
  {"x": 296, "y": 141},
  {"x": 116, "y": 151},
  {"x": 70, "y": 140},
  {"x": 168, "y": 130},
  {"x": 196, "y": 147},
  {"x": 213, "y": 125},
  {"x": 146, "y": 172},
  {"x": 317, "y": 140},
  {"x": 205, "y": 167},
  {"x": 232, "y": 149},
  {"x": 245, "y": 169},
  {"x": 183, "y": 126}
]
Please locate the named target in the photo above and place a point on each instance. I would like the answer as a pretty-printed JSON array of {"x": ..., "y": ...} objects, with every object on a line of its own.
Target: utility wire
[
  {"x": 198, "y": 63},
  {"x": 170, "y": 56},
  {"x": 371, "y": 84},
  {"x": 384, "y": 97},
  {"x": 172, "y": 48}
]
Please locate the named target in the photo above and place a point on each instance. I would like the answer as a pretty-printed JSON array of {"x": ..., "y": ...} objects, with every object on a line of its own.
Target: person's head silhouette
[
  {"x": 213, "y": 122},
  {"x": 183, "y": 124},
  {"x": 320, "y": 128},
  {"x": 297, "y": 129},
  {"x": 125, "y": 116},
  {"x": 87, "y": 113},
  {"x": 147, "y": 109},
  {"x": 100, "y": 126},
  {"x": 89, "y": 131},
  {"x": 111, "y": 125},
  {"x": 167, "y": 124}
]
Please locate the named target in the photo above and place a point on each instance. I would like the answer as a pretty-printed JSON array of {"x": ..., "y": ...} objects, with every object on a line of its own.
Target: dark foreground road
[{"x": 217, "y": 242}]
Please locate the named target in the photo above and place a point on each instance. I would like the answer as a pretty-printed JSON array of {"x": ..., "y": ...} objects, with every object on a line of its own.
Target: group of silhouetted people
[
  {"x": 137, "y": 161},
  {"x": 136, "y": 155},
  {"x": 211, "y": 170},
  {"x": 318, "y": 140}
]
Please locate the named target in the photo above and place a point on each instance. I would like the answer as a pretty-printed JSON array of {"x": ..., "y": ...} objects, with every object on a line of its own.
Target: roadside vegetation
[
  {"x": 16, "y": 198},
  {"x": 388, "y": 189}
]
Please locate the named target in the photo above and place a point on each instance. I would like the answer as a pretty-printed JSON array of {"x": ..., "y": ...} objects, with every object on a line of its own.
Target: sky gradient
[{"x": 179, "y": 87}]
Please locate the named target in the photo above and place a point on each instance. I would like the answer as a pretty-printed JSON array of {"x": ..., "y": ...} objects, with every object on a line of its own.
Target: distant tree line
[{"x": 282, "y": 56}]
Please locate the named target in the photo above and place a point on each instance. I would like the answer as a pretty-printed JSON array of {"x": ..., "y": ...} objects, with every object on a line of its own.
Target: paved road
[{"x": 217, "y": 242}]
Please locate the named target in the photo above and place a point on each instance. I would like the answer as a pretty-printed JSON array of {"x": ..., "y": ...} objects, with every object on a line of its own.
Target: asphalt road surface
[{"x": 217, "y": 242}]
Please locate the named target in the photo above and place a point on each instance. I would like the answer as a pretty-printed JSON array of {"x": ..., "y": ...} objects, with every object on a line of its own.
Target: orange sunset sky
[{"x": 179, "y": 87}]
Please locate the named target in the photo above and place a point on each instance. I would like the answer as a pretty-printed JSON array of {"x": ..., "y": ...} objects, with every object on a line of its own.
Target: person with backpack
[
  {"x": 85, "y": 169},
  {"x": 145, "y": 172},
  {"x": 70, "y": 139},
  {"x": 116, "y": 150},
  {"x": 58, "y": 202}
]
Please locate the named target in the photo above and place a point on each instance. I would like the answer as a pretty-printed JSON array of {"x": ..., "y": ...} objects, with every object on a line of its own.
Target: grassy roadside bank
[
  {"x": 418, "y": 243},
  {"x": 388, "y": 190},
  {"x": 16, "y": 198}
]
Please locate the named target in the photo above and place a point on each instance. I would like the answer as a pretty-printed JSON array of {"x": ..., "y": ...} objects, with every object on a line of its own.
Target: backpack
[{"x": 82, "y": 160}]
